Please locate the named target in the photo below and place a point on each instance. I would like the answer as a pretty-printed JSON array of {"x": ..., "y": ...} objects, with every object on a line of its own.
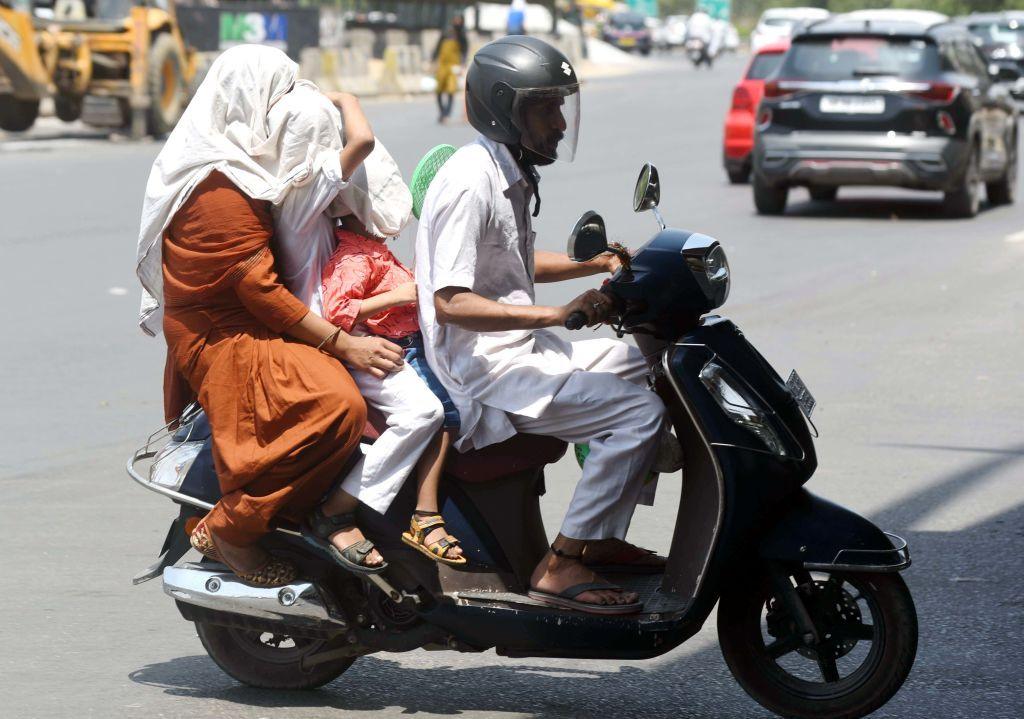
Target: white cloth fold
[{"x": 229, "y": 127}]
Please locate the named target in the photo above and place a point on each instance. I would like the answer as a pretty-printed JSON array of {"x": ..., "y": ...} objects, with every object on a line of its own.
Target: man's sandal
[
  {"x": 416, "y": 537},
  {"x": 273, "y": 573},
  {"x": 566, "y": 599},
  {"x": 318, "y": 530}
]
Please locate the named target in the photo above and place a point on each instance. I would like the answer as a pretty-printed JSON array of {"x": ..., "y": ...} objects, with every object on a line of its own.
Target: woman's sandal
[
  {"x": 566, "y": 599},
  {"x": 416, "y": 537},
  {"x": 318, "y": 531},
  {"x": 273, "y": 573}
]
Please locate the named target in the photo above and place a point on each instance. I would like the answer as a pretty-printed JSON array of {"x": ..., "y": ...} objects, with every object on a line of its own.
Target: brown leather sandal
[
  {"x": 419, "y": 528},
  {"x": 273, "y": 573}
]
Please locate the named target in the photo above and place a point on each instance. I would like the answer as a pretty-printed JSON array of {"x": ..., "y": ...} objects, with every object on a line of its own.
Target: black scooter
[{"x": 813, "y": 617}]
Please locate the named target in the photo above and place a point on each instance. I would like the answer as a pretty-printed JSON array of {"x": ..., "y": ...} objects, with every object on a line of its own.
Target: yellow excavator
[{"x": 128, "y": 50}]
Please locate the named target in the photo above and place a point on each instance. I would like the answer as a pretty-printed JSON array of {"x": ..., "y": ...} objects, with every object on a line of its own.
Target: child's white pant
[{"x": 414, "y": 415}]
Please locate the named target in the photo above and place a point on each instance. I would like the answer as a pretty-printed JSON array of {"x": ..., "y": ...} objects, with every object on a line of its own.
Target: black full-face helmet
[{"x": 522, "y": 92}]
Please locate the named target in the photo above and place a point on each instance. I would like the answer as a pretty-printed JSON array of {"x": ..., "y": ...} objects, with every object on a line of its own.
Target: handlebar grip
[{"x": 575, "y": 320}]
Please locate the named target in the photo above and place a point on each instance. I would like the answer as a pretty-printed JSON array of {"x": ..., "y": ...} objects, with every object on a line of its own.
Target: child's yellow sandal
[{"x": 419, "y": 528}]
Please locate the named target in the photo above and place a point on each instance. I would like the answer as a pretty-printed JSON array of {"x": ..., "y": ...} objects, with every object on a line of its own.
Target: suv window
[
  {"x": 854, "y": 57},
  {"x": 968, "y": 59},
  {"x": 995, "y": 33},
  {"x": 627, "y": 21},
  {"x": 764, "y": 65}
]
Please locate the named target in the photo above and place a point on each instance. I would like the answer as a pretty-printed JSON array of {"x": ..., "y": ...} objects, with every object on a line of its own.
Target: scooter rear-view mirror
[{"x": 588, "y": 238}]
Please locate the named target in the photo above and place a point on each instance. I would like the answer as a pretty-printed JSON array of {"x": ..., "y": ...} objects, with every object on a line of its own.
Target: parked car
[
  {"x": 1001, "y": 38},
  {"x": 777, "y": 24},
  {"x": 746, "y": 96},
  {"x": 885, "y": 102},
  {"x": 628, "y": 31}
]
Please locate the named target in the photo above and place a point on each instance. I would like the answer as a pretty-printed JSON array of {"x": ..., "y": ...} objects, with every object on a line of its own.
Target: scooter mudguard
[
  {"x": 825, "y": 536},
  {"x": 176, "y": 543}
]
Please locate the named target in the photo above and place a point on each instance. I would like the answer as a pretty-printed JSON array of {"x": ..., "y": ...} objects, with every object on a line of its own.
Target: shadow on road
[{"x": 966, "y": 585}]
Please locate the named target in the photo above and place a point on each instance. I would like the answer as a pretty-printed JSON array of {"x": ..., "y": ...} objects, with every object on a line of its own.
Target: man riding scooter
[{"x": 488, "y": 342}]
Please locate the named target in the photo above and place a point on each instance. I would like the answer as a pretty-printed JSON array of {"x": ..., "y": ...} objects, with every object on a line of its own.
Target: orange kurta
[{"x": 284, "y": 416}]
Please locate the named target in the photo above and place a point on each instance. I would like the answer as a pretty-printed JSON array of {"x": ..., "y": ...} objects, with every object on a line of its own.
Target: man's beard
[{"x": 534, "y": 158}]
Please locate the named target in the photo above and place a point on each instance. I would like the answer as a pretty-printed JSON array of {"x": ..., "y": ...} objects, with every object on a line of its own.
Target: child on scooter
[{"x": 366, "y": 290}]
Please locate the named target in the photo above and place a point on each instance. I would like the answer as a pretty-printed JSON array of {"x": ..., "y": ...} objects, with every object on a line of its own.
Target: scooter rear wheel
[
  {"x": 867, "y": 626},
  {"x": 267, "y": 660}
]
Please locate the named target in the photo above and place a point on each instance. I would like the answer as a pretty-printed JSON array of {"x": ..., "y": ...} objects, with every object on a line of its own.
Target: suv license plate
[
  {"x": 852, "y": 105},
  {"x": 800, "y": 393}
]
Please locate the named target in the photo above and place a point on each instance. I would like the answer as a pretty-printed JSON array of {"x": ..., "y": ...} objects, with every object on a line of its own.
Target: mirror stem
[{"x": 658, "y": 217}]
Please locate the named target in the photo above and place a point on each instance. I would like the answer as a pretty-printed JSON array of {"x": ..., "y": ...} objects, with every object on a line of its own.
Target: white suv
[{"x": 778, "y": 24}]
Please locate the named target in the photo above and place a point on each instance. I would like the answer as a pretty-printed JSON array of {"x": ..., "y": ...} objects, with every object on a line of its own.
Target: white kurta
[{"x": 475, "y": 232}]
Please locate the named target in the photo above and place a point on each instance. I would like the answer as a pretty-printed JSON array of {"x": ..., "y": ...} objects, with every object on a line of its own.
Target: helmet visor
[{"x": 548, "y": 120}]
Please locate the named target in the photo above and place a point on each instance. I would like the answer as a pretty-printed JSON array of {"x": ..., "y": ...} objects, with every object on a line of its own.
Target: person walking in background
[{"x": 449, "y": 54}]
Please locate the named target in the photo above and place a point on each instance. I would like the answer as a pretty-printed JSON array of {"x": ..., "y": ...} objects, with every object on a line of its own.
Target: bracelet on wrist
[{"x": 329, "y": 340}]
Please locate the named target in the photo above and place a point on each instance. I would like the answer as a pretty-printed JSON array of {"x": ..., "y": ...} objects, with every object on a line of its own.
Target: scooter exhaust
[{"x": 299, "y": 603}]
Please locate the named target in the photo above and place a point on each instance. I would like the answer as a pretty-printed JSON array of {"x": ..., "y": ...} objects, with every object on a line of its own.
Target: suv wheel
[
  {"x": 823, "y": 194},
  {"x": 1003, "y": 190},
  {"x": 738, "y": 175},
  {"x": 965, "y": 200},
  {"x": 767, "y": 199}
]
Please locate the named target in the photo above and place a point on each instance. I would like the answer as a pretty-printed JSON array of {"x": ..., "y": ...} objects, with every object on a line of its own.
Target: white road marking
[
  {"x": 1016, "y": 237},
  {"x": 118, "y": 291}
]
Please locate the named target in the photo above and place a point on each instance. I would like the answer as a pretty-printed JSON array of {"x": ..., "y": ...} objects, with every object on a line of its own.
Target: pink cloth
[{"x": 361, "y": 268}]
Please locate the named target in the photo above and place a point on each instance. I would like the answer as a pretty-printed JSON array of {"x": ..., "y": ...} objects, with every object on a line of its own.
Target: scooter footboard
[{"x": 825, "y": 536}]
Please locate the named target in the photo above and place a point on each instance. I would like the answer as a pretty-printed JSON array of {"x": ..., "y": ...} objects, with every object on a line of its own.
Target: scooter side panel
[{"x": 732, "y": 486}]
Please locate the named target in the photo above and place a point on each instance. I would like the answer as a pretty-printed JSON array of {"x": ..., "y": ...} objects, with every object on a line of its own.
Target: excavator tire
[
  {"x": 17, "y": 115},
  {"x": 166, "y": 83},
  {"x": 68, "y": 109}
]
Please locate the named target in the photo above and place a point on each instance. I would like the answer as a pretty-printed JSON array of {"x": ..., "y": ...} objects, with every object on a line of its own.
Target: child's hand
[{"x": 406, "y": 293}]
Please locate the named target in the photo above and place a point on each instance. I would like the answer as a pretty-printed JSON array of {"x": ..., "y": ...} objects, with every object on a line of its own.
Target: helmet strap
[{"x": 526, "y": 159}]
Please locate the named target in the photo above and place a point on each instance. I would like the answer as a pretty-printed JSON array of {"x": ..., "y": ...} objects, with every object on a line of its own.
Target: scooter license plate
[{"x": 801, "y": 394}]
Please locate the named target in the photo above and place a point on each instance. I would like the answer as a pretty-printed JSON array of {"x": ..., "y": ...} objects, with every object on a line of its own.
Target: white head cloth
[
  {"x": 377, "y": 195},
  {"x": 227, "y": 127}
]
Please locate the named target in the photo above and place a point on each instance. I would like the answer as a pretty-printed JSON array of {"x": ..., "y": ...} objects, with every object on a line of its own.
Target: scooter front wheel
[{"x": 866, "y": 642}]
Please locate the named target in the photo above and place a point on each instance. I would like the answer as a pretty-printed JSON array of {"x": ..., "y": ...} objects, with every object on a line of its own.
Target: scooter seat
[{"x": 516, "y": 454}]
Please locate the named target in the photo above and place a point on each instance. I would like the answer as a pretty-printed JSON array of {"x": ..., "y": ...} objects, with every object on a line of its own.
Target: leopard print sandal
[{"x": 273, "y": 573}]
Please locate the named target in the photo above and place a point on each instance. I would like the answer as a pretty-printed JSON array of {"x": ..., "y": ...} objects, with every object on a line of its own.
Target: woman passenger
[{"x": 284, "y": 412}]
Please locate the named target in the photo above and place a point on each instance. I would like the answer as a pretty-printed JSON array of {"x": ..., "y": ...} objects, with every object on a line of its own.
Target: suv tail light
[
  {"x": 938, "y": 92},
  {"x": 741, "y": 99},
  {"x": 774, "y": 90},
  {"x": 946, "y": 122}
]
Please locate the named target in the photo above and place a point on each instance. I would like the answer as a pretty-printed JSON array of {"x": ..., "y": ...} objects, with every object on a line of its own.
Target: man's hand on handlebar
[{"x": 594, "y": 305}]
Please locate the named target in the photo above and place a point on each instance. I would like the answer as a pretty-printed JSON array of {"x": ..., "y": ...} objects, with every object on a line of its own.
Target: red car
[{"x": 739, "y": 123}]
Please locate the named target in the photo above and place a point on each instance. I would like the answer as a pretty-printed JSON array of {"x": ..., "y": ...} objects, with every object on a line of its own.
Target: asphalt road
[{"x": 906, "y": 326}]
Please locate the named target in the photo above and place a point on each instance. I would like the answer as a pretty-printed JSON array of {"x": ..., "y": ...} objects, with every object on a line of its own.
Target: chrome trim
[
  {"x": 854, "y": 86},
  {"x": 900, "y": 547},
  {"x": 296, "y": 603},
  {"x": 711, "y": 453}
]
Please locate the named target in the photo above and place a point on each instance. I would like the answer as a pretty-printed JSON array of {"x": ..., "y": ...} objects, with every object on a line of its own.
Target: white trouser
[
  {"x": 607, "y": 404},
  {"x": 414, "y": 416}
]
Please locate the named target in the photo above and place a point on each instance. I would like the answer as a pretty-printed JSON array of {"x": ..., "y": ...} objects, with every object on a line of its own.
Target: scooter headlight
[
  {"x": 740, "y": 405},
  {"x": 710, "y": 267}
]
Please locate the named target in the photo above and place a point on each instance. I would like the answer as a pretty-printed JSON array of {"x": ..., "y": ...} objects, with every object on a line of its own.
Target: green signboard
[
  {"x": 718, "y": 9},
  {"x": 644, "y": 7}
]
